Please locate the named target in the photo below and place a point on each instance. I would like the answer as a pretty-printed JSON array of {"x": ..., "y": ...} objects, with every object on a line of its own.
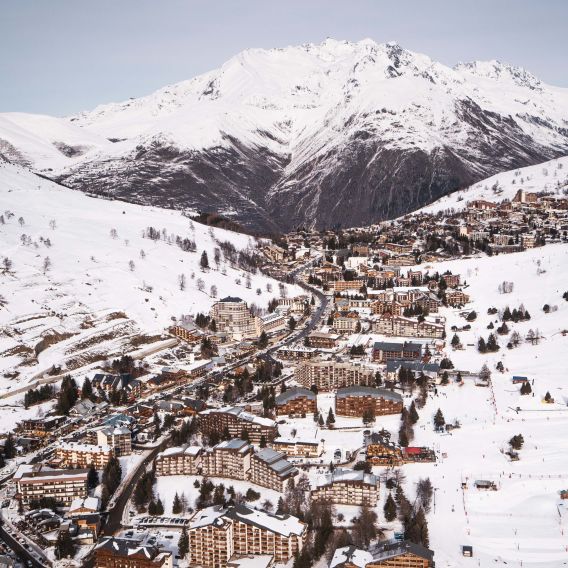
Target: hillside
[
  {"x": 105, "y": 289},
  {"x": 322, "y": 135},
  {"x": 550, "y": 177}
]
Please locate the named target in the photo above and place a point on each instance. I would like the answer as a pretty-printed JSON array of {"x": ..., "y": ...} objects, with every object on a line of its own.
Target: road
[
  {"x": 114, "y": 519},
  {"x": 19, "y": 549}
]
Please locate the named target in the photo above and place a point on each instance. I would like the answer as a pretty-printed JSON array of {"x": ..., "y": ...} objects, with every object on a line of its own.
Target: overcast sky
[{"x": 63, "y": 56}]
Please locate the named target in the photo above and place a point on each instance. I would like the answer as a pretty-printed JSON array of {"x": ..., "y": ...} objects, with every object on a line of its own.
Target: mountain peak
[{"x": 497, "y": 70}]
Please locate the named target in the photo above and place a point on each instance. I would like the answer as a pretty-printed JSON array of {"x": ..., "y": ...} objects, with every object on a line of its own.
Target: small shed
[
  {"x": 517, "y": 379},
  {"x": 485, "y": 485},
  {"x": 467, "y": 551}
]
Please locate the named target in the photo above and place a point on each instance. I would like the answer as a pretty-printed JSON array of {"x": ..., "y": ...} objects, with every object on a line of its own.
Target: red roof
[{"x": 413, "y": 450}]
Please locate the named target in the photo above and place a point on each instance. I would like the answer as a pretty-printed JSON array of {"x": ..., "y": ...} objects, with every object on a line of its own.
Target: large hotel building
[
  {"x": 63, "y": 485},
  {"x": 331, "y": 375},
  {"x": 348, "y": 487},
  {"x": 217, "y": 533},
  {"x": 234, "y": 420},
  {"x": 356, "y": 400}
]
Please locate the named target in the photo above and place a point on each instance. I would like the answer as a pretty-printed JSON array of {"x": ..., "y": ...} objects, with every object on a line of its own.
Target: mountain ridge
[{"x": 331, "y": 134}]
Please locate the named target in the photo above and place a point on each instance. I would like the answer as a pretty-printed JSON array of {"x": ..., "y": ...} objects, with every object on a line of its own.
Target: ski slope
[{"x": 103, "y": 290}]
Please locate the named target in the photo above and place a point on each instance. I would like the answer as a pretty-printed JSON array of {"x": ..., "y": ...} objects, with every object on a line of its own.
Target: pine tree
[
  {"x": 526, "y": 388},
  {"x": 159, "y": 507},
  {"x": 413, "y": 413},
  {"x": 64, "y": 547},
  {"x": 92, "y": 478},
  {"x": 390, "y": 509},
  {"x": 455, "y": 340},
  {"x": 183, "y": 543},
  {"x": 9, "y": 447},
  {"x": 176, "y": 507},
  {"x": 87, "y": 389},
  {"x": 439, "y": 420},
  {"x": 330, "y": 419},
  {"x": 481, "y": 347},
  {"x": 204, "y": 262}
]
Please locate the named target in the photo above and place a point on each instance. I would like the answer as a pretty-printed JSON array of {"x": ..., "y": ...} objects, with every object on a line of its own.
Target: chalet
[
  {"x": 322, "y": 340},
  {"x": 42, "y": 427},
  {"x": 123, "y": 382},
  {"x": 383, "y": 351},
  {"x": 130, "y": 553},
  {"x": 456, "y": 298}
]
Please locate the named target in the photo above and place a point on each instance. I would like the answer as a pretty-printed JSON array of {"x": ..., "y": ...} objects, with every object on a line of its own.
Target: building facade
[
  {"x": 348, "y": 487},
  {"x": 296, "y": 402},
  {"x": 331, "y": 375},
  {"x": 271, "y": 469},
  {"x": 235, "y": 420},
  {"x": 356, "y": 401},
  {"x": 62, "y": 485}
]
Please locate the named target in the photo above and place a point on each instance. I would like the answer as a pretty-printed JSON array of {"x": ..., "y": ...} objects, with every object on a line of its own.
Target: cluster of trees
[
  {"x": 112, "y": 474},
  {"x": 35, "y": 396},
  {"x": 143, "y": 492},
  {"x": 67, "y": 396},
  {"x": 267, "y": 370},
  {"x": 526, "y": 388},
  {"x": 64, "y": 546},
  {"x": 408, "y": 418},
  {"x": 516, "y": 315},
  {"x": 517, "y": 441},
  {"x": 183, "y": 434},
  {"x": 126, "y": 365},
  {"x": 415, "y": 311},
  {"x": 490, "y": 345}
]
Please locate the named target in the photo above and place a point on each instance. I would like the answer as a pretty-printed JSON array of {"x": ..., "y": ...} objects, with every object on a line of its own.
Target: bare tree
[
  {"x": 142, "y": 254},
  {"x": 200, "y": 284},
  {"x": 113, "y": 234},
  {"x": 52, "y": 224},
  {"x": 181, "y": 282},
  {"x": 21, "y": 221},
  {"x": 46, "y": 264},
  {"x": 131, "y": 265},
  {"x": 3, "y": 301},
  {"x": 213, "y": 291}
]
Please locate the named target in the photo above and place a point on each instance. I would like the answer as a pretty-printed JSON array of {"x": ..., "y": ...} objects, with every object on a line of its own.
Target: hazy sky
[{"x": 63, "y": 56}]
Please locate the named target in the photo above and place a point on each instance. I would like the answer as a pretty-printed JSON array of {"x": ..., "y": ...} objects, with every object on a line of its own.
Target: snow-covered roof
[{"x": 351, "y": 555}]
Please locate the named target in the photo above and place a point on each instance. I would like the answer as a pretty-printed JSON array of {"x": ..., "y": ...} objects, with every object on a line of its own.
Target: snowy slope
[
  {"x": 90, "y": 280},
  {"x": 550, "y": 177},
  {"x": 338, "y": 132}
]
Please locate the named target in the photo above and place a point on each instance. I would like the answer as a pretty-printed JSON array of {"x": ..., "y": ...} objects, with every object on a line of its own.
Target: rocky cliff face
[{"x": 337, "y": 134}]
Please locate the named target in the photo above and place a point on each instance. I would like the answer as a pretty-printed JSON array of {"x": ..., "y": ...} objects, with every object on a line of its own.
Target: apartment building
[
  {"x": 323, "y": 340},
  {"x": 119, "y": 438},
  {"x": 296, "y": 402},
  {"x": 231, "y": 458},
  {"x": 233, "y": 318},
  {"x": 346, "y": 322},
  {"x": 401, "y": 326},
  {"x": 218, "y": 533},
  {"x": 393, "y": 553},
  {"x": 384, "y": 351},
  {"x": 63, "y": 485},
  {"x": 302, "y": 447},
  {"x": 181, "y": 460},
  {"x": 78, "y": 455},
  {"x": 114, "y": 552},
  {"x": 235, "y": 420},
  {"x": 41, "y": 427},
  {"x": 330, "y": 375},
  {"x": 456, "y": 298},
  {"x": 348, "y": 487},
  {"x": 358, "y": 400},
  {"x": 271, "y": 469}
]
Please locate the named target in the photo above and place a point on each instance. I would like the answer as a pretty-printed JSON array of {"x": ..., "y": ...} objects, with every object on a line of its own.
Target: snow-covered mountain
[
  {"x": 338, "y": 133},
  {"x": 107, "y": 288}
]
